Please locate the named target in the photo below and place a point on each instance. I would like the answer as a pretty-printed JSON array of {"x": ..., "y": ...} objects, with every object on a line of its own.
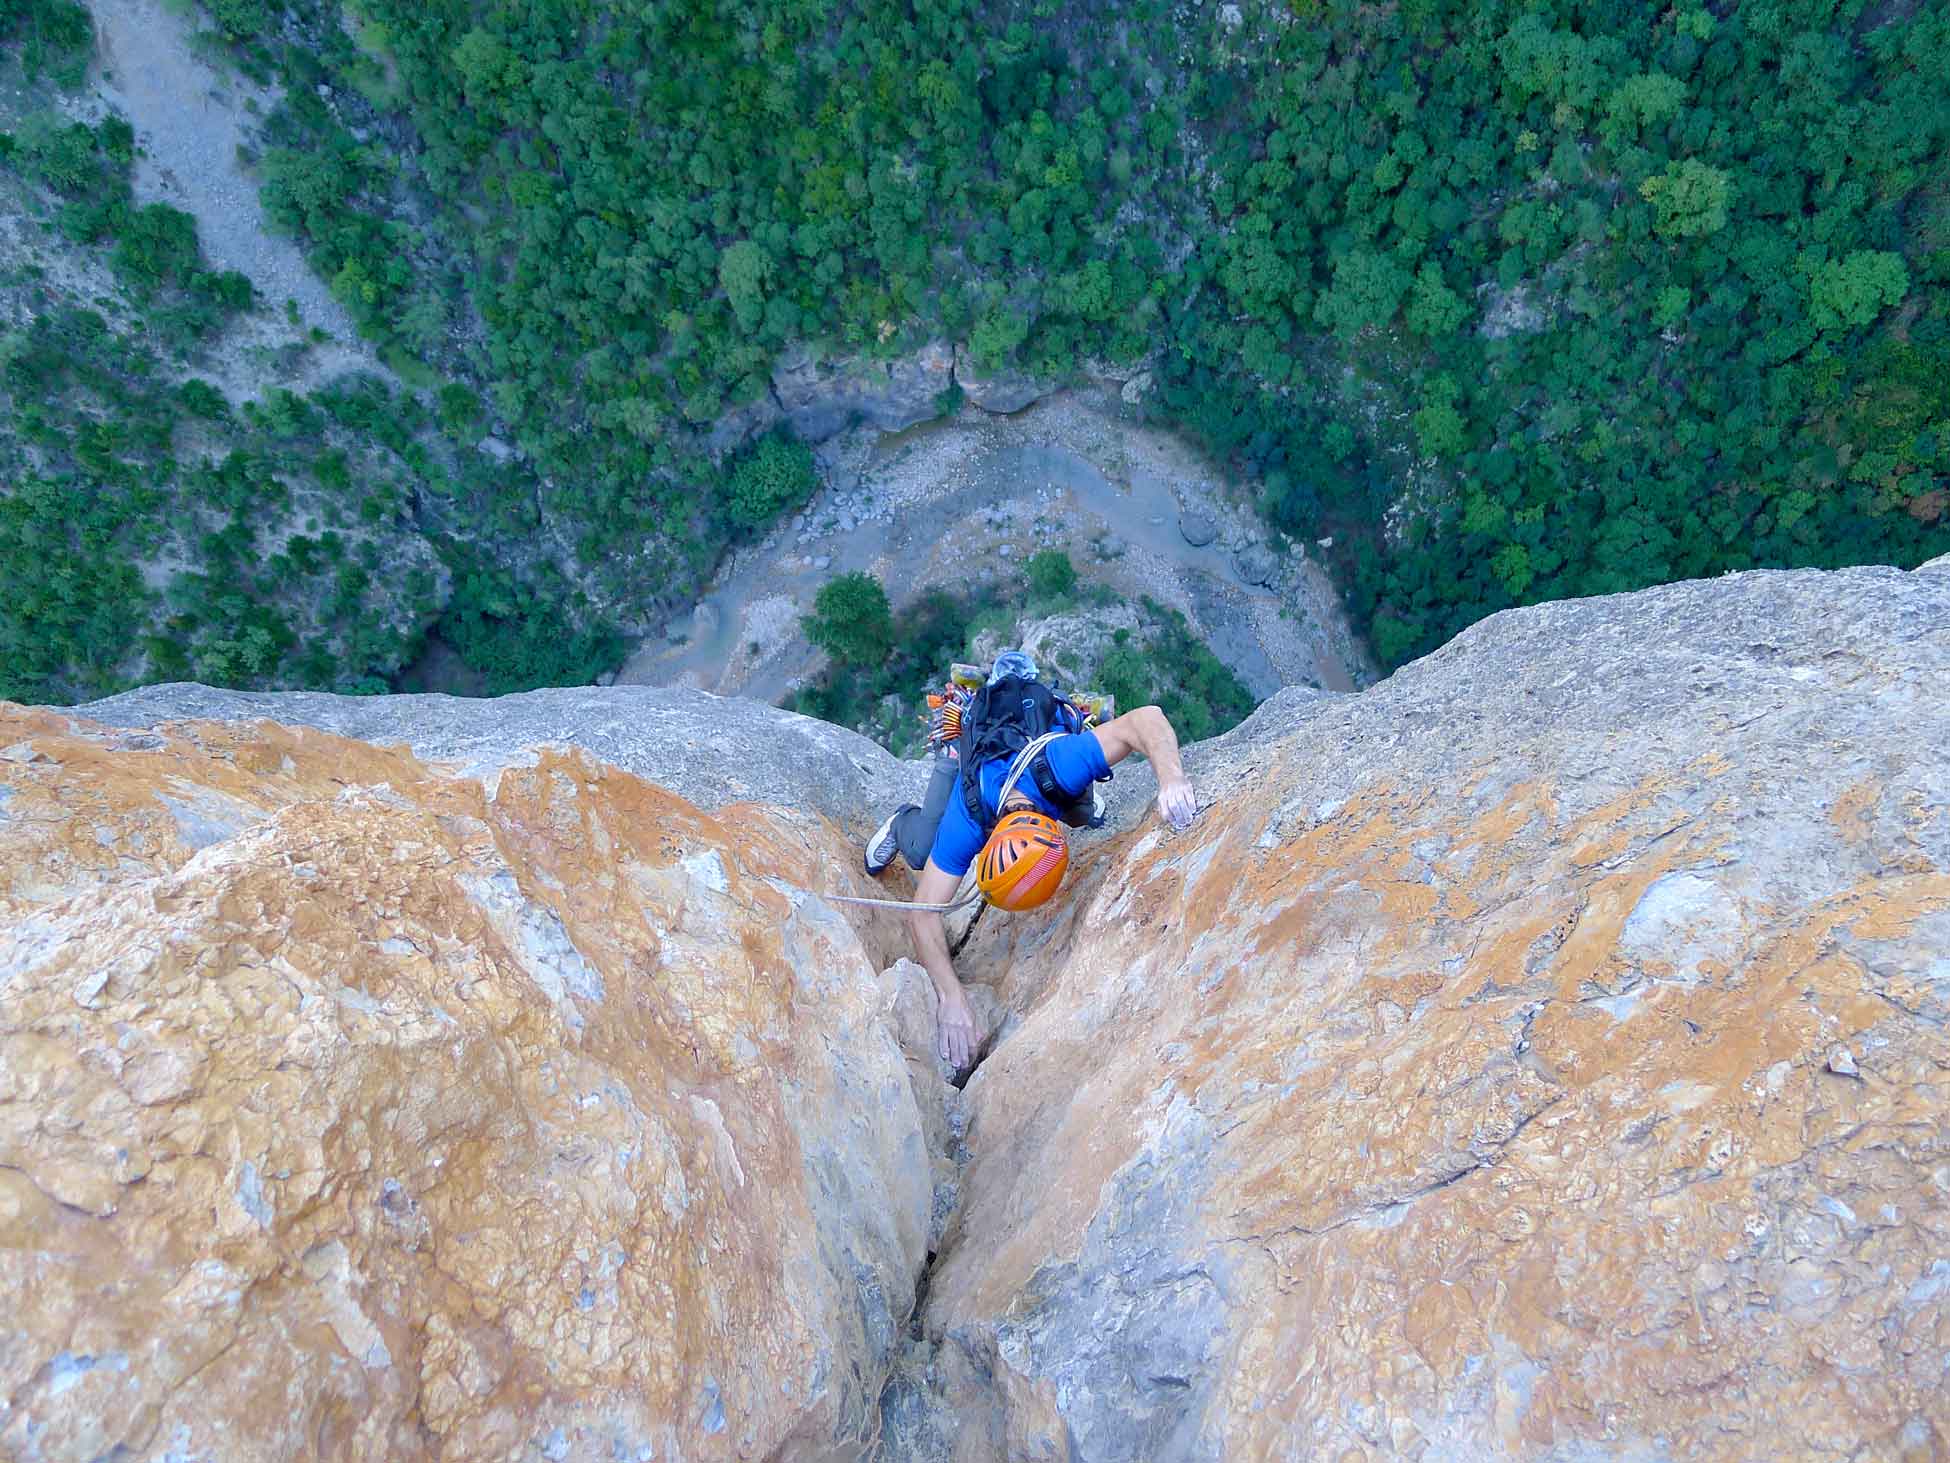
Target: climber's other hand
[
  {"x": 956, "y": 1023},
  {"x": 1177, "y": 804}
]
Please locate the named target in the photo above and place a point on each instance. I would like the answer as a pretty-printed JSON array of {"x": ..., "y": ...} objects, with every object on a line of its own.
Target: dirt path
[
  {"x": 972, "y": 496},
  {"x": 189, "y": 121}
]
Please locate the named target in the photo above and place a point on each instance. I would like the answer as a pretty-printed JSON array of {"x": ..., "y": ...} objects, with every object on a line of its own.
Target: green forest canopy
[
  {"x": 1518, "y": 300},
  {"x": 1732, "y": 230}
]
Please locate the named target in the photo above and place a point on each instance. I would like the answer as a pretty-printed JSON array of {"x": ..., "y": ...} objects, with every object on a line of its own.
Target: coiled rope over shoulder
[{"x": 1016, "y": 769}]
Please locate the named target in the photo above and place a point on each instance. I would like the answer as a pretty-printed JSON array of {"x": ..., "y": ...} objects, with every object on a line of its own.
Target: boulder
[
  {"x": 1001, "y": 392},
  {"x": 985, "y": 645},
  {"x": 1072, "y": 646},
  {"x": 354, "y": 1107},
  {"x": 1536, "y": 1056},
  {"x": 1256, "y": 564},
  {"x": 1110, "y": 546},
  {"x": 1197, "y": 529},
  {"x": 1522, "y": 309},
  {"x": 822, "y": 397},
  {"x": 742, "y": 423}
]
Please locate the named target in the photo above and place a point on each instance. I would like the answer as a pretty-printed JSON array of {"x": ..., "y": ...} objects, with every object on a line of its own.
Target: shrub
[
  {"x": 774, "y": 476},
  {"x": 851, "y": 620},
  {"x": 53, "y": 34},
  {"x": 1051, "y": 574}
]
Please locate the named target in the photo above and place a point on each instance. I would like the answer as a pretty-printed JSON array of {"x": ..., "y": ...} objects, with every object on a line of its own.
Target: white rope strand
[{"x": 948, "y": 908}]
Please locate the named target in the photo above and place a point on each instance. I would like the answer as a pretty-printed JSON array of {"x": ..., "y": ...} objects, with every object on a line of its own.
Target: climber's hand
[
  {"x": 1177, "y": 804},
  {"x": 956, "y": 1037}
]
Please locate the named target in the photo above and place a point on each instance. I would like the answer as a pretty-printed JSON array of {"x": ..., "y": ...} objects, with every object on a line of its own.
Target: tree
[
  {"x": 1434, "y": 310},
  {"x": 851, "y": 620},
  {"x": 1368, "y": 289},
  {"x": 1688, "y": 198},
  {"x": 744, "y": 269},
  {"x": 997, "y": 333},
  {"x": 1852, "y": 291},
  {"x": 1642, "y": 101},
  {"x": 488, "y": 70},
  {"x": 1438, "y": 424}
]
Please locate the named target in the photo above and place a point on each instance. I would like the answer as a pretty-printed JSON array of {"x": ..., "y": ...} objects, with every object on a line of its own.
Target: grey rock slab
[
  {"x": 712, "y": 750},
  {"x": 742, "y": 424},
  {"x": 821, "y": 398},
  {"x": 1773, "y": 664},
  {"x": 1522, "y": 309}
]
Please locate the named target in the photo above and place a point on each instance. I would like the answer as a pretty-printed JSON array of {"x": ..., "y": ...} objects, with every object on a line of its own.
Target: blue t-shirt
[{"x": 1075, "y": 761}]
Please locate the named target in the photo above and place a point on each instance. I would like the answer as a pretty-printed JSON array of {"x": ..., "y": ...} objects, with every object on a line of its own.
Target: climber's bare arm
[
  {"x": 1146, "y": 731},
  {"x": 956, "y": 1035}
]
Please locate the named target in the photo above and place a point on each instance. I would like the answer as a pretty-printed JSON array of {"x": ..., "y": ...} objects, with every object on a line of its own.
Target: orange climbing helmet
[{"x": 1023, "y": 861}]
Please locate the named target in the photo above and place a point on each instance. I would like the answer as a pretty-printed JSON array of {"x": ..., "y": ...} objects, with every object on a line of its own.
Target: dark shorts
[{"x": 915, "y": 827}]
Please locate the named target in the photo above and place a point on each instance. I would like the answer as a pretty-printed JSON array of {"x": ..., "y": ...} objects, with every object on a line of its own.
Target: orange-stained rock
[
  {"x": 1543, "y": 1055},
  {"x": 353, "y": 1108}
]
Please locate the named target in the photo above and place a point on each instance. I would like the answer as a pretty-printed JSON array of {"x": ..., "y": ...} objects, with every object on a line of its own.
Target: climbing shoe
[{"x": 882, "y": 847}]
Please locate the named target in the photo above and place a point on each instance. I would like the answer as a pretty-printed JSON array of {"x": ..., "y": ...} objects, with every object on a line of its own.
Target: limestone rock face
[
  {"x": 717, "y": 750},
  {"x": 822, "y": 397},
  {"x": 353, "y": 1107},
  {"x": 1541, "y": 1055}
]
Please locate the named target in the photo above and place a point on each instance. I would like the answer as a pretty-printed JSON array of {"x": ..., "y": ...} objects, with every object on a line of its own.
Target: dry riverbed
[{"x": 969, "y": 498}]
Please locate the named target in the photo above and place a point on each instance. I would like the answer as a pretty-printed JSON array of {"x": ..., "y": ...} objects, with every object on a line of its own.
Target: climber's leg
[{"x": 915, "y": 827}]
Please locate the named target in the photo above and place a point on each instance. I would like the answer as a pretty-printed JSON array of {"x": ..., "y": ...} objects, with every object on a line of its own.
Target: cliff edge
[{"x": 1540, "y": 1055}]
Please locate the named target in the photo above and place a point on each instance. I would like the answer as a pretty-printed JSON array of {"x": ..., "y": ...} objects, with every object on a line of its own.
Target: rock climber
[{"x": 1021, "y": 767}]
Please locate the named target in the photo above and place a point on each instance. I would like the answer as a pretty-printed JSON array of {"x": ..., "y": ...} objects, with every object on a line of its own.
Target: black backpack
[{"x": 999, "y": 722}]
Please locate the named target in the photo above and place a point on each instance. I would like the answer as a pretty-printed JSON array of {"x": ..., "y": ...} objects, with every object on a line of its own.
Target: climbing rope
[{"x": 962, "y": 903}]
